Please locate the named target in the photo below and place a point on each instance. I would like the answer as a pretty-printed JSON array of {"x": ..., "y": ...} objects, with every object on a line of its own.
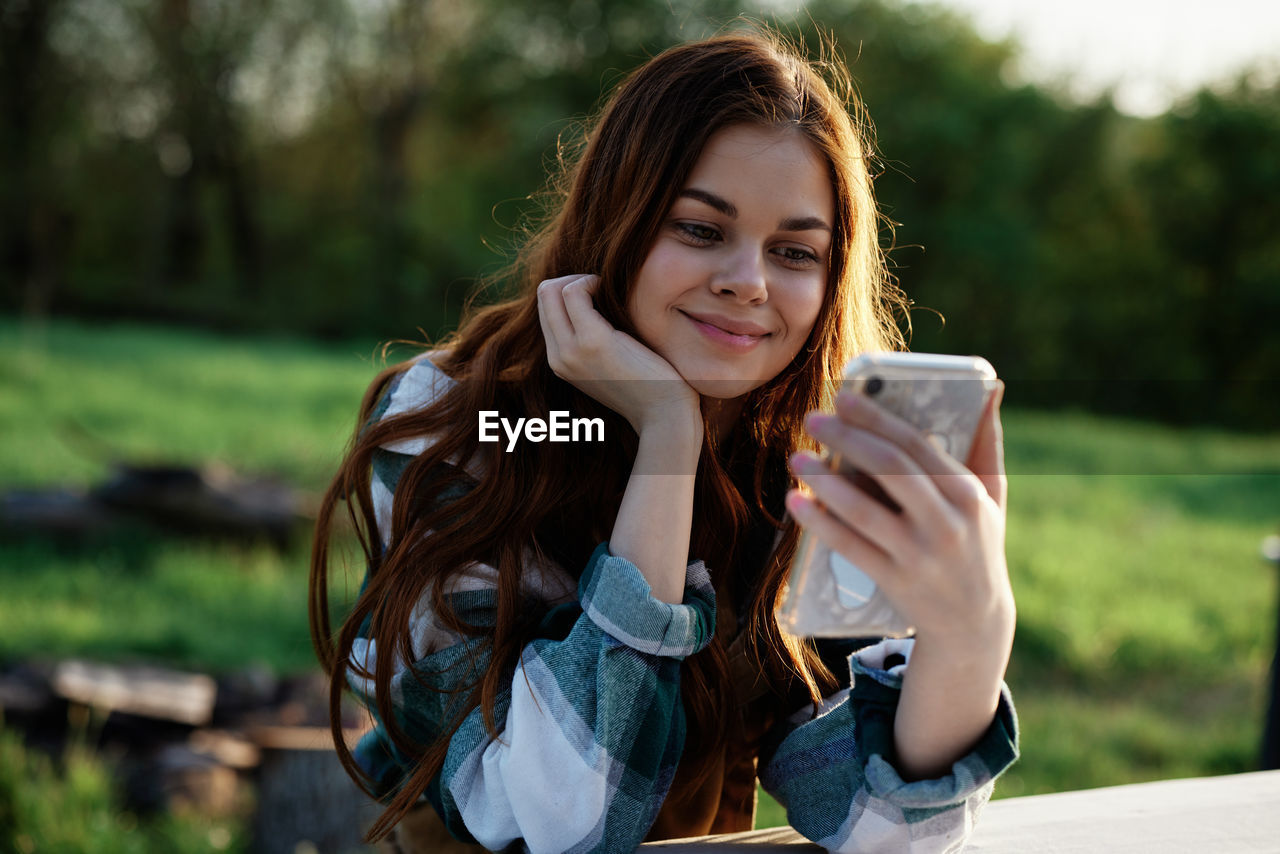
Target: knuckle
[
  {"x": 885, "y": 459},
  {"x": 570, "y": 360},
  {"x": 588, "y": 346},
  {"x": 969, "y": 494}
]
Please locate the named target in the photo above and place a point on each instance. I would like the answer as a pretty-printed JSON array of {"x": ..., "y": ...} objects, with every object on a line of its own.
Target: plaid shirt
[{"x": 592, "y": 727}]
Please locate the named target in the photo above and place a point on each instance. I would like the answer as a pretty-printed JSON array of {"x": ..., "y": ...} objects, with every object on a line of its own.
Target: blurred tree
[
  {"x": 966, "y": 174},
  {"x": 1212, "y": 185},
  {"x": 33, "y": 221},
  {"x": 198, "y": 49},
  {"x": 354, "y": 166},
  {"x": 446, "y": 113},
  {"x": 1065, "y": 241}
]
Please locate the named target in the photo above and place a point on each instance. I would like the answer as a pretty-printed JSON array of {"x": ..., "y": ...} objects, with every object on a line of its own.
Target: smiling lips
[{"x": 736, "y": 335}]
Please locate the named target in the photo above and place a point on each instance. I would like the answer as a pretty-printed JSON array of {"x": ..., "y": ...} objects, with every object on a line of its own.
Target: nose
[{"x": 743, "y": 277}]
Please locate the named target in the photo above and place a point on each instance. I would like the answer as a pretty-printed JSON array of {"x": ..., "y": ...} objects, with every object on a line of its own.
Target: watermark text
[{"x": 559, "y": 428}]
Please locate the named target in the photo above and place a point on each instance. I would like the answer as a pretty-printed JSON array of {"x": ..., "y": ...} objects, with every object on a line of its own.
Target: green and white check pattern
[{"x": 593, "y": 727}]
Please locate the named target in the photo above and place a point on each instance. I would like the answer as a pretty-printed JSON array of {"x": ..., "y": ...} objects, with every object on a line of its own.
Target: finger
[
  {"x": 888, "y": 464},
  {"x": 853, "y": 506},
  {"x": 950, "y": 476},
  {"x": 986, "y": 459},
  {"x": 861, "y": 411},
  {"x": 556, "y": 329},
  {"x": 840, "y": 538},
  {"x": 548, "y": 336},
  {"x": 588, "y": 324},
  {"x": 560, "y": 281},
  {"x": 551, "y": 305}
]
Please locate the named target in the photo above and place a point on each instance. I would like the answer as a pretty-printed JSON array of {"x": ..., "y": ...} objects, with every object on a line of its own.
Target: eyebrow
[{"x": 800, "y": 223}]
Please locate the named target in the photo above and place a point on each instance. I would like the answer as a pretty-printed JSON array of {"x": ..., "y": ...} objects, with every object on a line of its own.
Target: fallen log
[
  {"x": 143, "y": 690},
  {"x": 210, "y": 500}
]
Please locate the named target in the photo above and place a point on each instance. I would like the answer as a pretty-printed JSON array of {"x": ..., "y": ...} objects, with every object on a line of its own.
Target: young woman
[{"x": 571, "y": 645}]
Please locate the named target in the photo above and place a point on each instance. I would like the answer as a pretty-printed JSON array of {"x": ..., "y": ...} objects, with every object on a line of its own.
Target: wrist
[
  {"x": 978, "y": 658},
  {"x": 979, "y": 632},
  {"x": 676, "y": 432}
]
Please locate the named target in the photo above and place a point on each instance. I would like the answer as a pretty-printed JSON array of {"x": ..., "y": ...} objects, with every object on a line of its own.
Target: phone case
[{"x": 944, "y": 396}]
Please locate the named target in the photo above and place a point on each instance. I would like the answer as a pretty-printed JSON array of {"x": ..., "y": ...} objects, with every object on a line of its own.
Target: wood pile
[
  {"x": 209, "y": 500},
  {"x": 187, "y": 741}
]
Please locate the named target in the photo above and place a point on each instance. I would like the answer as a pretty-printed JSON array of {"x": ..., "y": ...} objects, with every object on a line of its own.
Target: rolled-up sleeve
[
  {"x": 834, "y": 773},
  {"x": 592, "y": 724}
]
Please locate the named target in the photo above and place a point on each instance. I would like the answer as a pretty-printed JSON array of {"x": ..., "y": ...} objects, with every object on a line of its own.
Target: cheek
[
  {"x": 807, "y": 308},
  {"x": 644, "y": 306},
  {"x": 654, "y": 289}
]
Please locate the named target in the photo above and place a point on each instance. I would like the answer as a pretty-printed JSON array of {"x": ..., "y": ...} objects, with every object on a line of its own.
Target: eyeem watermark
[{"x": 560, "y": 428}]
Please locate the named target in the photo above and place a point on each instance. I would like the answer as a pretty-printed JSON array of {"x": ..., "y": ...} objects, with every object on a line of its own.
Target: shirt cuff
[
  {"x": 990, "y": 757},
  {"x": 617, "y": 598}
]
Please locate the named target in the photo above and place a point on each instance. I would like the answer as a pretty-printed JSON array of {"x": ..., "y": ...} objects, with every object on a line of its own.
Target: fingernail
[
  {"x": 801, "y": 463},
  {"x": 797, "y": 502},
  {"x": 818, "y": 422}
]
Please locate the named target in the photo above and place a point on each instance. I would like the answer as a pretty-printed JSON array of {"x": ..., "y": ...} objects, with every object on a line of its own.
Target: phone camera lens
[{"x": 873, "y": 386}]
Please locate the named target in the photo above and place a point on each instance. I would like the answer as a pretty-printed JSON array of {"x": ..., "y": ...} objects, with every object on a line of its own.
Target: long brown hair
[{"x": 607, "y": 202}]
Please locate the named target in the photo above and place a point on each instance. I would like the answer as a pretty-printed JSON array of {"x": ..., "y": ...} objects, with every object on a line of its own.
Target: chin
[{"x": 723, "y": 389}]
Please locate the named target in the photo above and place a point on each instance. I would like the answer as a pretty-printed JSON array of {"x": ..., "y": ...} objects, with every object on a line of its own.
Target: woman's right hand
[{"x": 610, "y": 366}]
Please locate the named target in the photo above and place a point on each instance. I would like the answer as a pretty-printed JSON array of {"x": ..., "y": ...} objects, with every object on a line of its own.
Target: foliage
[
  {"x": 1097, "y": 260},
  {"x": 343, "y": 168},
  {"x": 72, "y": 806}
]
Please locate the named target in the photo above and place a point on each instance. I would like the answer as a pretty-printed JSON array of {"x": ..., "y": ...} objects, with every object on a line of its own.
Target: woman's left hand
[{"x": 941, "y": 560}]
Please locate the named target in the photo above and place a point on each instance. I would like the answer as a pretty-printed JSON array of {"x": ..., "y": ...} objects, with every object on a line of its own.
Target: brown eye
[
  {"x": 794, "y": 256},
  {"x": 698, "y": 233}
]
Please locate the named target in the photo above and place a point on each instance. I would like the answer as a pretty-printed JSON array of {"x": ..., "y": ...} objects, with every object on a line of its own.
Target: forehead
[{"x": 777, "y": 167}]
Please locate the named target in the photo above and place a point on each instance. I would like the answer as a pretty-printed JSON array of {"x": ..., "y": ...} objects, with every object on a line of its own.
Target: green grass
[
  {"x": 188, "y": 604},
  {"x": 74, "y": 398},
  {"x": 1146, "y": 617},
  {"x": 72, "y": 806},
  {"x": 1146, "y": 625}
]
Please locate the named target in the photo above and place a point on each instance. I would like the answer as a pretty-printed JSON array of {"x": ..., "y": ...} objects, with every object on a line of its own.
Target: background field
[
  {"x": 348, "y": 171},
  {"x": 1146, "y": 616}
]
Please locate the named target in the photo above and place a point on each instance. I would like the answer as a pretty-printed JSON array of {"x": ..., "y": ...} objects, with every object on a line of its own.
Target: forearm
[
  {"x": 654, "y": 521},
  {"x": 949, "y": 697},
  {"x": 832, "y": 770},
  {"x": 599, "y": 705}
]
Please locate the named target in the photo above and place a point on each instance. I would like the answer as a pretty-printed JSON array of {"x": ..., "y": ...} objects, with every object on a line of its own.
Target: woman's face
[{"x": 734, "y": 282}]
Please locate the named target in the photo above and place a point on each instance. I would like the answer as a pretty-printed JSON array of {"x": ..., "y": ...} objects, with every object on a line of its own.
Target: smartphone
[{"x": 944, "y": 397}]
